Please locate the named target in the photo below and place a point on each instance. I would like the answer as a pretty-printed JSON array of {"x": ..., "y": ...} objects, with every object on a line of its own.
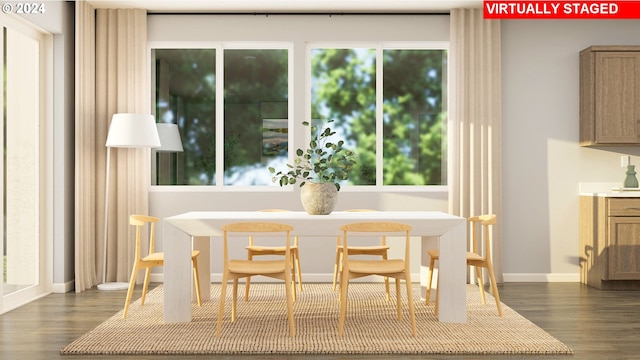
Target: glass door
[{"x": 25, "y": 260}]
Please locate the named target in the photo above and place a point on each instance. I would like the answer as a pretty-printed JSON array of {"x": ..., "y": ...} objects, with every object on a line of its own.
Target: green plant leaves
[{"x": 323, "y": 161}]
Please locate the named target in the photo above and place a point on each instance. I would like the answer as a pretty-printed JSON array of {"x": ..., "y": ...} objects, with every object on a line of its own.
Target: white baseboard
[
  {"x": 61, "y": 288},
  {"x": 323, "y": 277}
]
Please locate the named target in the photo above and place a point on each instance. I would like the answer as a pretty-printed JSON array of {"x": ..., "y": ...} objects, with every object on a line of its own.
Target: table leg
[
  {"x": 452, "y": 275},
  {"x": 177, "y": 279}
]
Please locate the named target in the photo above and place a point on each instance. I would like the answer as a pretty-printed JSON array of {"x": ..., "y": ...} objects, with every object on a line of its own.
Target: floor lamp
[{"x": 125, "y": 131}]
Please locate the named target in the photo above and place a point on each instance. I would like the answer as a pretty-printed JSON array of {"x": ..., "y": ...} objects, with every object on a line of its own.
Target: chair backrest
[
  {"x": 256, "y": 227},
  {"x": 384, "y": 228},
  {"x": 383, "y": 239},
  {"x": 271, "y": 210},
  {"x": 478, "y": 239},
  {"x": 139, "y": 221}
]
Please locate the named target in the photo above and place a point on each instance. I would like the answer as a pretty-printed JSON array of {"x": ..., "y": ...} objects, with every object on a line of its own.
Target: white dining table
[{"x": 195, "y": 230}]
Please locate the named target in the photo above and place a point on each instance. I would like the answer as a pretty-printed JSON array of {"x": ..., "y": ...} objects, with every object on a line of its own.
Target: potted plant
[{"x": 318, "y": 169}]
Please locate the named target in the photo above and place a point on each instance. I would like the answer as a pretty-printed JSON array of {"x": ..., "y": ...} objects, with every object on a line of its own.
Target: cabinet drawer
[{"x": 624, "y": 207}]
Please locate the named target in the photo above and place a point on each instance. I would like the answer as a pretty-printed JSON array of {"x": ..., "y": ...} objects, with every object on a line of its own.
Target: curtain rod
[{"x": 267, "y": 14}]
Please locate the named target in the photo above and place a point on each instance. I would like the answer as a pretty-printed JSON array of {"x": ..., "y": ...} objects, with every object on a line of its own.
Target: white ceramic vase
[{"x": 318, "y": 198}]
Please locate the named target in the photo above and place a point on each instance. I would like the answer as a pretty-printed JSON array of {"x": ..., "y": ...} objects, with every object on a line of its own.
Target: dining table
[{"x": 195, "y": 230}]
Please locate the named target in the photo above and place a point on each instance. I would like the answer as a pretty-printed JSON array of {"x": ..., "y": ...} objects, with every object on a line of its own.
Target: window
[
  {"x": 232, "y": 147},
  {"x": 399, "y": 93},
  {"x": 256, "y": 116},
  {"x": 231, "y": 104},
  {"x": 185, "y": 94}
]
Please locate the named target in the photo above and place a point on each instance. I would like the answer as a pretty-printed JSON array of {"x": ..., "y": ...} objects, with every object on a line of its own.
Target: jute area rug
[{"x": 371, "y": 327}]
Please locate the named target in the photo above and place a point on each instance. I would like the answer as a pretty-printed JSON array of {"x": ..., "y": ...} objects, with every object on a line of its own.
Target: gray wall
[{"x": 542, "y": 161}]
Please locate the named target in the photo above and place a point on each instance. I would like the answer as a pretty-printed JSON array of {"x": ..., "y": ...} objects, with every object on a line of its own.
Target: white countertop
[{"x": 607, "y": 190}]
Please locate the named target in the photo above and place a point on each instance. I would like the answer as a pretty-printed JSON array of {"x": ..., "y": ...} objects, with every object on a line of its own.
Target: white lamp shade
[
  {"x": 133, "y": 131},
  {"x": 170, "y": 140}
]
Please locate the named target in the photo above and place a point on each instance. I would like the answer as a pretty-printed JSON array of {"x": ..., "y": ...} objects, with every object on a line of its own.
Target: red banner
[{"x": 502, "y": 9}]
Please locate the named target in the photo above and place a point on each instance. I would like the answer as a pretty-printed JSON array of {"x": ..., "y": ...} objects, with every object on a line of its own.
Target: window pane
[
  {"x": 343, "y": 88},
  {"x": 185, "y": 82},
  {"x": 256, "y": 86},
  {"x": 413, "y": 88}
]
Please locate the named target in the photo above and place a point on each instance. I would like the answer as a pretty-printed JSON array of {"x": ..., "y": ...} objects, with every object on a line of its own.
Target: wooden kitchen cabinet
[
  {"x": 610, "y": 242},
  {"x": 610, "y": 95}
]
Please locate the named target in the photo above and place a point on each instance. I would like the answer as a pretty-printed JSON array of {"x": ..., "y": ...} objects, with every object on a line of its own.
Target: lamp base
[{"x": 113, "y": 286}]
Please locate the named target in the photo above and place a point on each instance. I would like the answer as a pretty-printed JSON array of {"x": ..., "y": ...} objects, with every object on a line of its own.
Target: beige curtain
[
  {"x": 85, "y": 166},
  {"x": 111, "y": 77},
  {"x": 475, "y": 121}
]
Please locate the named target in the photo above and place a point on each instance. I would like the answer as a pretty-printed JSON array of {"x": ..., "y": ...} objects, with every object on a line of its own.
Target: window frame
[
  {"x": 293, "y": 125},
  {"x": 379, "y": 49}
]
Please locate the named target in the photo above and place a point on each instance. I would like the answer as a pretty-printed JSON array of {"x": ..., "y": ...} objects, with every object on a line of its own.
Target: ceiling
[{"x": 289, "y": 6}]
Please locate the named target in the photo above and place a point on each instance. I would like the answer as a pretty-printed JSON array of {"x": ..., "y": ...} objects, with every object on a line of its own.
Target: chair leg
[
  {"x": 494, "y": 287},
  {"x": 132, "y": 284},
  {"x": 432, "y": 263},
  {"x": 196, "y": 278},
  {"x": 290, "y": 292},
  {"x": 223, "y": 296},
  {"x": 412, "y": 314},
  {"x": 344, "y": 287},
  {"x": 386, "y": 286},
  {"x": 386, "y": 279},
  {"x": 398, "y": 300},
  {"x": 145, "y": 286},
  {"x": 234, "y": 300},
  {"x": 337, "y": 267},
  {"x": 292, "y": 276},
  {"x": 481, "y": 284},
  {"x": 248, "y": 279},
  {"x": 297, "y": 264}
]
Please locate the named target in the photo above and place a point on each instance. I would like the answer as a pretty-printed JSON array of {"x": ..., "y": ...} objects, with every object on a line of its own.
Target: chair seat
[
  {"x": 154, "y": 257},
  {"x": 376, "y": 266},
  {"x": 274, "y": 249},
  {"x": 159, "y": 256},
  {"x": 435, "y": 254},
  {"x": 257, "y": 267}
]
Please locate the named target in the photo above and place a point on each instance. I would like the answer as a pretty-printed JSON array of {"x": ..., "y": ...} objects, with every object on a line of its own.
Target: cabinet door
[
  {"x": 617, "y": 96},
  {"x": 624, "y": 248}
]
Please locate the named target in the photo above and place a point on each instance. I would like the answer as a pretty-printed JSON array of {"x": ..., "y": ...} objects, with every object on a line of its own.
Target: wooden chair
[
  {"x": 151, "y": 260},
  {"x": 236, "y": 269},
  {"x": 257, "y": 250},
  {"x": 473, "y": 258},
  {"x": 393, "y": 268},
  {"x": 375, "y": 250}
]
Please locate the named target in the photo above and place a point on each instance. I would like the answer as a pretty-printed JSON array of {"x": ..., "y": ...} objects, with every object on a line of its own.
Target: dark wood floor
[{"x": 596, "y": 324}]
